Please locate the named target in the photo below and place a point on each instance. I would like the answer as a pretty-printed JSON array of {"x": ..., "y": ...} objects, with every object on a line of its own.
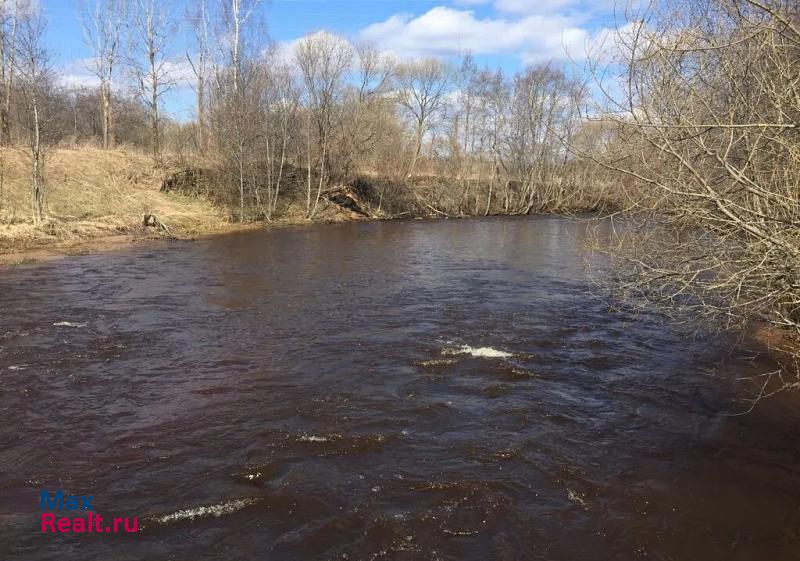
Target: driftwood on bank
[{"x": 152, "y": 221}]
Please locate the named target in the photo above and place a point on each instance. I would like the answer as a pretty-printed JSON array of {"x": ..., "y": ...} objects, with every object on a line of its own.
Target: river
[{"x": 422, "y": 389}]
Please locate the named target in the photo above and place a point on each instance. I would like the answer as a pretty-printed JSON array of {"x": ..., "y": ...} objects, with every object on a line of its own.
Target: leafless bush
[{"x": 706, "y": 131}]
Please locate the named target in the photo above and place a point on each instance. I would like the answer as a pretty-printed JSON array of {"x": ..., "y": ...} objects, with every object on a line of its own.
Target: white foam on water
[
  {"x": 18, "y": 367},
  {"x": 312, "y": 438},
  {"x": 437, "y": 362},
  {"x": 202, "y": 511},
  {"x": 478, "y": 352},
  {"x": 68, "y": 324},
  {"x": 576, "y": 498}
]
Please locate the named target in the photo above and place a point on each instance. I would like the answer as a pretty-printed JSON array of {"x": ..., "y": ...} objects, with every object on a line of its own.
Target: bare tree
[
  {"x": 238, "y": 111},
  {"x": 200, "y": 67},
  {"x": 282, "y": 106},
  {"x": 8, "y": 35},
  {"x": 494, "y": 102},
  {"x": 324, "y": 60},
  {"x": 364, "y": 105},
  {"x": 467, "y": 92},
  {"x": 8, "y": 48},
  {"x": 422, "y": 88},
  {"x": 544, "y": 104},
  {"x": 33, "y": 66},
  {"x": 150, "y": 34},
  {"x": 102, "y": 29},
  {"x": 236, "y": 14}
]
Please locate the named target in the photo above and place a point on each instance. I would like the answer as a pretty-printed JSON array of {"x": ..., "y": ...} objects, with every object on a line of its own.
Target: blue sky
[{"x": 500, "y": 33}]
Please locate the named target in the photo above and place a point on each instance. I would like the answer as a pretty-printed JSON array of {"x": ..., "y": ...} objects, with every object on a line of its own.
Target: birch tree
[
  {"x": 33, "y": 67},
  {"x": 103, "y": 22},
  {"x": 149, "y": 35},
  {"x": 200, "y": 64},
  {"x": 238, "y": 111}
]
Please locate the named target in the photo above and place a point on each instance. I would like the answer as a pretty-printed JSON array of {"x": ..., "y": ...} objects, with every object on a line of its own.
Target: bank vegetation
[{"x": 702, "y": 124}]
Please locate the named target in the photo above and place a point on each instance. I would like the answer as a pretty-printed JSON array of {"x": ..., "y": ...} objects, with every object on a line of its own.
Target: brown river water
[{"x": 389, "y": 390}]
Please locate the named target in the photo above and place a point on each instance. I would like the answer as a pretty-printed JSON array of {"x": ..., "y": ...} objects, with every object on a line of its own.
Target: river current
[{"x": 412, "y": 390}]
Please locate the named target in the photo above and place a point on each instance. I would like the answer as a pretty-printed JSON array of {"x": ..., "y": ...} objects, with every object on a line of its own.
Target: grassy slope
[{"x": 92, "y": 193}]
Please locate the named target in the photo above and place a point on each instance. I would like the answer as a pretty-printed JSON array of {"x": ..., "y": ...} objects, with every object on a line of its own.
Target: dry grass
[{"x": 94, "y": 193}]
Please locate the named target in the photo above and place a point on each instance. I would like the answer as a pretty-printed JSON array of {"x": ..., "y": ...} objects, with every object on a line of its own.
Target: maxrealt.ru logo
[{"x": 78, "y": 505}]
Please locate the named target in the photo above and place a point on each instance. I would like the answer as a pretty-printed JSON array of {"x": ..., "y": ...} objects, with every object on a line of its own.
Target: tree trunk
[
  {"x": 154, "y": 108},
  {"x": 37, "y": 189},
  {"x": 5, "y": 111},
  {"x": 321, "y": 173},
  {"x": 201, "y": 110},
  {"x": 308, "y": 162},
  {"x": 280, "y": 169},
  {"x": 105, "y": 95},
  {"x": 417, "y": 150}
]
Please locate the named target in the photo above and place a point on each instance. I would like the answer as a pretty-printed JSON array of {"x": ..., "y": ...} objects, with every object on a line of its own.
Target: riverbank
[
  {"x": 100, "y": 199},
  {"x": 96, "y": 201},
  {"x": 97, "y": 242},
  {"x": 92, "y": 197}
]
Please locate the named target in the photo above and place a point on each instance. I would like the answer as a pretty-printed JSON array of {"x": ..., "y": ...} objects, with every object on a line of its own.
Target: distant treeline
[{"x": 335, "y": 109}]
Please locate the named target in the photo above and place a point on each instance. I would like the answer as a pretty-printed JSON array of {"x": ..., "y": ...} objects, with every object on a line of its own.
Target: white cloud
[
  {"x": 180, "y": 72},
  {"x": 77, "y": 75},
  {"x": 446, "y": 31},
  {"x": 282, "y": 52},
  {"x": 611, "y": 45},
  {"x": 571, "y": 43},
  {"x": 531, "y": 6},
  {"x": 577, "y": 7},
  {"x": 78, "y": 81}
]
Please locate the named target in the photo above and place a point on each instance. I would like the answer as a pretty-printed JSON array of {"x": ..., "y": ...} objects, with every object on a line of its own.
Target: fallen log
[{"x": 345, "y": 198}]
